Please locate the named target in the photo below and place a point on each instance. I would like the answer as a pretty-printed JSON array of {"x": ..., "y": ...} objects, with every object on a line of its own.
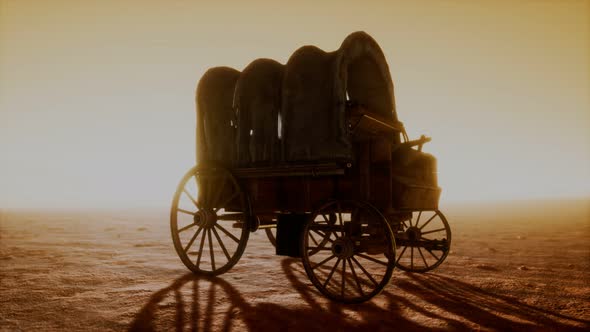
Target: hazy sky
[{"x": 97, "y": 97}]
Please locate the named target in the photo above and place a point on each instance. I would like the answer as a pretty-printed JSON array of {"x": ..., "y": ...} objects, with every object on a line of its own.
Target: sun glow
[{"x": 97, "y": 99}]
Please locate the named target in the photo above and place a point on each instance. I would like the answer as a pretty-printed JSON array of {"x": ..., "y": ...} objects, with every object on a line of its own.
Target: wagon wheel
[
  {"x": 352, "y": 259},
  {"x": 424, "y": 243},
  {"x": 209, "y": 220}
]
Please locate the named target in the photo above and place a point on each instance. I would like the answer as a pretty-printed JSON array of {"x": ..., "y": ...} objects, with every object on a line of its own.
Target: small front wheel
[{"x": 424, "y": 240}]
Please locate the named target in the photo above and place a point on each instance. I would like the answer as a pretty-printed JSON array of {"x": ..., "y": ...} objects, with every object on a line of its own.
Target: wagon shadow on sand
[{"x": 211, "y": 303}]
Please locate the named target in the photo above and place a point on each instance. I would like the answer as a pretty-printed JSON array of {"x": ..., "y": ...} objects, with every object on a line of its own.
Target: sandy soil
[{"x": 522, "y": 266}]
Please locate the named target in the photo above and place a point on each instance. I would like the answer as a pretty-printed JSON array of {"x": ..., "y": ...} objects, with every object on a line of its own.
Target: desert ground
[{"x": 513, "y": 266}]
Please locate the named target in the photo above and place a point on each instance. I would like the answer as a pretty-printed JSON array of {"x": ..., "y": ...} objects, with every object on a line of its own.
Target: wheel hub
[
  {"x": 343, "y": 248},
  {"x": 413, "y": 234},
  {"x": 205, "y": 218}
]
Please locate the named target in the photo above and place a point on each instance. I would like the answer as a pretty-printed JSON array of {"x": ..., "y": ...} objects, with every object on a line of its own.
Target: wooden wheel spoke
[
  {"x": 372, "y": 259},
  {"x": 365, "y": 271},
  {"x": 201, "y": 249},
  {"x": 356, "y": 279},
  {"x": 343, "y": 277},
  {"x": 233, "y": 237},
  {"x": 434, "y": 231},
  {"x": 422, "y": 255},
  {"x": 429, "y": 220},
  {"x": 313, "y": 239},
  {"x": 190, "y": 243},
  {"x": 418, "y": 219},
  {"x": 401, "y": 254},
  {"x": 405, "y": 225},
  {"x": 191, "y": 197},
  {"x": 412, "y": 258},
  {"x": 323, "y": 262},
  {"x": 433, "y": 255},
  {"x": 325, "y": 236},
  {"x": 211, "y": 250},
  {"x": 186, "y": 227},
  {"x": 331, "y": 272},
  {"x": 185, "y": 211},
  {"x": 221, "y": 244}
]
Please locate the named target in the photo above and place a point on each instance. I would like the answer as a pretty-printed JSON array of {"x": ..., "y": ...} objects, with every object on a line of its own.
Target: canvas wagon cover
[
  {"x": 308, "y": 95},
  {"x": 316, "y": 88}
]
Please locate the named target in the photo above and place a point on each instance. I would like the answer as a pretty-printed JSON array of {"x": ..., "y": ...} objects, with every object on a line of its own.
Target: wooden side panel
[
  {"x": 321, "y": 189},
  {"x": 263, "y": 193},
  {"x": 299, "y": 194},
  {"x": 295, "y": 194}
]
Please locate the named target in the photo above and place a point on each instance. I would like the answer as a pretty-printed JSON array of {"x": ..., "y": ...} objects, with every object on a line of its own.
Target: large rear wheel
[
  {"x": 348, "y": 251},
  {"x": 209, "y": 220}
]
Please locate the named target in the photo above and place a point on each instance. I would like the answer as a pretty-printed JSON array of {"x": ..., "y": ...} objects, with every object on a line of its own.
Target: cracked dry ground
[{"x": 517, "y": 266}]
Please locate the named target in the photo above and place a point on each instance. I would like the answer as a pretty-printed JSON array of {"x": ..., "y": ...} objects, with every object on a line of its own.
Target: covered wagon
[{"x": 312, "y": 152}]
